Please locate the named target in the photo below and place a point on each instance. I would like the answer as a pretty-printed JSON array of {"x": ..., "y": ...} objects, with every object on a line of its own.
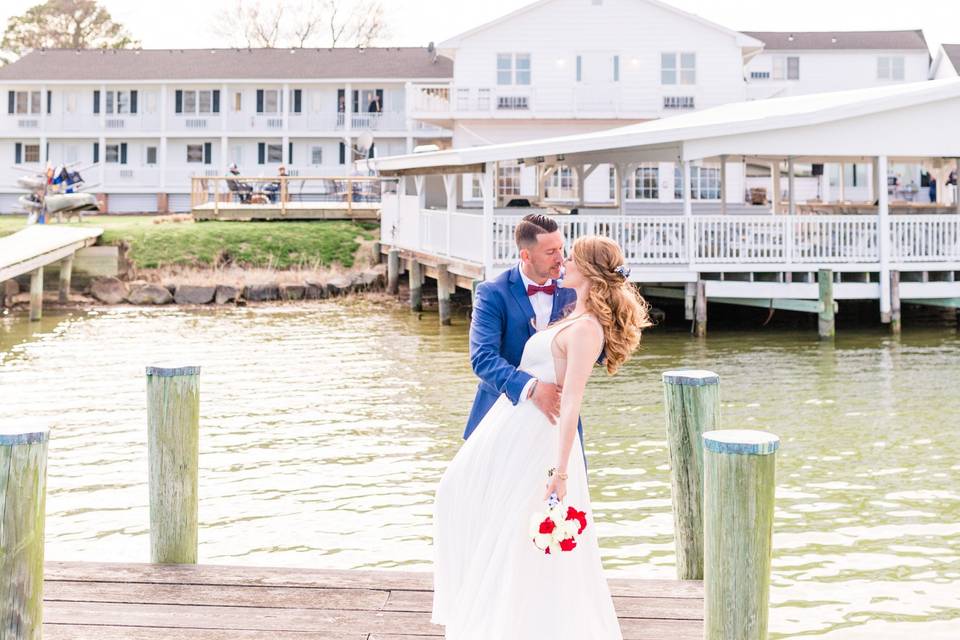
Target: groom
[{"x": 511, "y": 308}]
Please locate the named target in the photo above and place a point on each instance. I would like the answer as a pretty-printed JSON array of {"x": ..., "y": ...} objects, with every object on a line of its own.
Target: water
[{"x": 325, "y": 428}]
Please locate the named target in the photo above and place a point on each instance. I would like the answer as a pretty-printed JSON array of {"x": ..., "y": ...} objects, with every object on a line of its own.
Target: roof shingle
[
  {"x": 240, "y": 64},
  {"x": 806, "y": 40}
]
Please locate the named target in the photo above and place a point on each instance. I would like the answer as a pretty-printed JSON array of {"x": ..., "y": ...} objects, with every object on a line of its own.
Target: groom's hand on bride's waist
[{"x": 546, "y": 397}]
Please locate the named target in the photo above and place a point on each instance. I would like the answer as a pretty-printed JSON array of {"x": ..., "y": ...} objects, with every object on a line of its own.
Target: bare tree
[{"x": 300, "y": 23}]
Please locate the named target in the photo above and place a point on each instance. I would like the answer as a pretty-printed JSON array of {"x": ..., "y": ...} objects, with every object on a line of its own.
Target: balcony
[
  {"x": 122, "y": 176},
  {"x": 439, "y": 103}
]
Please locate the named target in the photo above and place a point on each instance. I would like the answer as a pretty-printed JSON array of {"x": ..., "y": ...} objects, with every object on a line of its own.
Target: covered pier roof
[{"x": 915, "y": 120}]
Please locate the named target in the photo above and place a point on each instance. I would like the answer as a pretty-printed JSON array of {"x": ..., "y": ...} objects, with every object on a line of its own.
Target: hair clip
[{"x": 624, "y": 271}]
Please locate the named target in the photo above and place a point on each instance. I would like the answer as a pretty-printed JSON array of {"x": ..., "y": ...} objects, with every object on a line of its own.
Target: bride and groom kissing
[{"x": 534, "y": 341}]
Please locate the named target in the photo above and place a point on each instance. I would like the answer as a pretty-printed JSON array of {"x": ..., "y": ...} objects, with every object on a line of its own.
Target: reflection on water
[{"x": 325, "y": 428}]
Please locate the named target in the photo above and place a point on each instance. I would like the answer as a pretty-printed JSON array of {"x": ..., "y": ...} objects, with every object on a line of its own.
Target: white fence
[{"x": 717, "y": 239}]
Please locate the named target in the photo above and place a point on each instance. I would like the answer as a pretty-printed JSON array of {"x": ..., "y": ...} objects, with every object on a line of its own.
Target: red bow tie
[{"x": 547, "y": 289}]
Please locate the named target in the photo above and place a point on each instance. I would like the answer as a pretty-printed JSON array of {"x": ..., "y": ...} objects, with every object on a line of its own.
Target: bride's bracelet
[{"x": 553, "y": 471}]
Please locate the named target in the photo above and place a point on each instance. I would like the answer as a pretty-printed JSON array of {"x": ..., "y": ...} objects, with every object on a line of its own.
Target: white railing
[
  {"x": 777, "y": 241},
  {"x": 921, "y": 238}
]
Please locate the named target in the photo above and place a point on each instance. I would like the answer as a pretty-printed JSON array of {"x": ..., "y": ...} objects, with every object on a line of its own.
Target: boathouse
[{"x": 770, "y": 256}]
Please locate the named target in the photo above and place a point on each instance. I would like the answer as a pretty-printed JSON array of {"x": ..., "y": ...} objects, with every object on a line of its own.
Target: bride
[{"x": 490, "y": 581}]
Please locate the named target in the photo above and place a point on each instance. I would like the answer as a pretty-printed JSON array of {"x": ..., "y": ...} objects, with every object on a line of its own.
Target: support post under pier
[
  {"x": 416, "y": 285},
  {"x": 36, "y": 294},
  {"x": 444, "y": 289},
  {"x": 393, "y": 271},
  {"x": 826, "y": 325},
  {"x": 66, "y": 271},
  {"x": 895, "y": 325},
  {"x": 700, "y": 321}
]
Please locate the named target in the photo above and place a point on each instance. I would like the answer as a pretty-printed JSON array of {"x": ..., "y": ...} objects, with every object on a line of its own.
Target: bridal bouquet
[{"x": 556, "y": 530}]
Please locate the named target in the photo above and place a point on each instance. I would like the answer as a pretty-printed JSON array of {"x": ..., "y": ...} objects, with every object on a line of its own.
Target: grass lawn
[{"x": 279, "y": 245}]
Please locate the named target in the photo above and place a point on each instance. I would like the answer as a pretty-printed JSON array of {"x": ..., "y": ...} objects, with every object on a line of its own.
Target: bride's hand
[{"x": 558, "y": 486}]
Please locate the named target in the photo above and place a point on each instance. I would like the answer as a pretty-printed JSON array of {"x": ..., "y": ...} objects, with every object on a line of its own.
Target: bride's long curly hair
[{"x": 615, "y": 302}]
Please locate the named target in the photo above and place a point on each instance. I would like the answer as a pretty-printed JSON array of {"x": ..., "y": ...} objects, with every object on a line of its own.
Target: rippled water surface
[{"x": 326, "y": 427}]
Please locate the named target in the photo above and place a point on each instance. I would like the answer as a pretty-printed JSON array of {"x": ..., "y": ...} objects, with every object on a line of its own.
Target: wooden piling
[
  {"x": 36, "y": 293},
  {"x": 23, "y": 492},
  {"x": 895, "y": 325},
  {"x": 826, "y": 324},
  {"x": 689, "y": 300},
  {"x": 393, "y": 271},
  {"x": 738, "y": 481},
  {"x": 700, "y": 314},
  {"x": 692, "y": 405},
  {"x": 173, "y": 438},
  {"x": 444, "y": 289},
  {"x": 416, "y": 285},
  {"x": 66, "y": 271}
]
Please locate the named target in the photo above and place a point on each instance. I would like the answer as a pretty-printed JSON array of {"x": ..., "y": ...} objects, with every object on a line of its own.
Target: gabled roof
[
  {"x": 952, "y": 51},
  {"x": 744, "y": 41},
  {"x": 772, "y": 116},
  {"x": 202, "y": 64},
  {"x": 837, "y": 40}
]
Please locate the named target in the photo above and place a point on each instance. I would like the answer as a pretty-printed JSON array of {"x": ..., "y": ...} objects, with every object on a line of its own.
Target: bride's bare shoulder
[{"x": 586, "y": 331}]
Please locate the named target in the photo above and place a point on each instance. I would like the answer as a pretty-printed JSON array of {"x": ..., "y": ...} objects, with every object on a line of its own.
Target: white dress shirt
[{"x": 542, "y": 304}]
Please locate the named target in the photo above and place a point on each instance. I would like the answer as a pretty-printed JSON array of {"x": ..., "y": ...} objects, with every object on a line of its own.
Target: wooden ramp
[
  {"x": 186, "y": 602},
  {"x": 39, "y": 245}
]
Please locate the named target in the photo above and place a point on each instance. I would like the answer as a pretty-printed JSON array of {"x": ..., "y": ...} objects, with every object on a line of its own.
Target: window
[
  {"x": 508, "y": 180},
  {"x": 677, "y": 181},
  {"x": 678, "y": 102},
  {"x": 561, "y": 184},
  {"x": 890, "y": 68},
  {"x": 112, "y": 153},
  {"x": 504, "y": 68},
  {"x": 23, "y": 102},
  {"x": 646, "y": 182},
  {"x": 237, "y": 101},
  {"x": 523, "y": 68},
  {"x": 205, "y": 101},
  {"x": 616, "y": 68},
  {"x": 671, "y": 73},
  {"x": 151, "y": 155},
  {"x": 513, "y": 68},
  {"x": 195, "y": 153},
  {"x": 316, "y": 155},
  {"x": 271, "y": 101},
  {"x": 705, "y": 183},
  {"x": 759, "y": 75},
  {"x": 31, "y": 153},
  {"x": 120, "y": 102},
  {"x": 579, "y": 68},
  {"x": 786, "y": 68},
  {"x": 275, "y": 153},
  {"x": 476, "y": 189},
  {"x": 613, "y": 183}
]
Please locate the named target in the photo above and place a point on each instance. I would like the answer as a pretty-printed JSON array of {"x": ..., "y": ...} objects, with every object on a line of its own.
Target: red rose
[
  {"x": 568, "y": 544},
  {"x": 547, "y": 551},
  {"x": 579, "y": 516},
  {"x": 547, "y": 526}
]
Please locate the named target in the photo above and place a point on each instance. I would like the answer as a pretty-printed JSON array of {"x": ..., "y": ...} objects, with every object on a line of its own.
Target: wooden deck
[
  {"x": 39, "y": 245},
  {"x": 206, "y": 602},
  {"x": 291, "y": 211}
]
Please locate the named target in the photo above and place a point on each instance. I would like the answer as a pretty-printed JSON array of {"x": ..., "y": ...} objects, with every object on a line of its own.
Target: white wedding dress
[{"x": 490, "y": 581}]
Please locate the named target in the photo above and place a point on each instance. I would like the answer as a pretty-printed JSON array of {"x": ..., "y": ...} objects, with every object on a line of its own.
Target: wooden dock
[
  {"x": 289, "y": 211},
  {"x": 207, "y": 602}
]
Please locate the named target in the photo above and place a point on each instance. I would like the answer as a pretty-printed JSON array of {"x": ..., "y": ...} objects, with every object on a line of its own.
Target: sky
[{"x": 187, "y": 23}]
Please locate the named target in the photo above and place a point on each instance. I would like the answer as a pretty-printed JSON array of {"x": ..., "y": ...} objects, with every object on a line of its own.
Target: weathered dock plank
[{"x": 209, "y": 602}]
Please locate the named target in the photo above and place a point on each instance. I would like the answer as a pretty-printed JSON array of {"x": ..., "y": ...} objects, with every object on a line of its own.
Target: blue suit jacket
[{"x": 501, "y": 325}]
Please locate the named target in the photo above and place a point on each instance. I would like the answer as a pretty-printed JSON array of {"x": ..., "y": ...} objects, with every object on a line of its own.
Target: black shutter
[
  {"x": 370, "y": 153},
  {"x": 297, "y": 100},
  {"x": 343, "y": 153},
  {"x": 179, "y": 101},
  {"x": 207, "y": 153},
  {"x": 289, "y": 153},
  {"x": 123, "y": 153},
  {"x": 259, "y": 100},
  {"x": 11, "y": 101},
  {"x": 133, "y": 101},
  {"x": 96, "y": 152},
  {"x": 341, "y": 102},
  {"x": 216, "y": 100},
  {"x": 18, "y": 153},
  {"x": 47, "y": 152},
  {"x": 49, "y": 100},
  {"x": 96, "y": 101},
  {"x": 261, "y": 153}
]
